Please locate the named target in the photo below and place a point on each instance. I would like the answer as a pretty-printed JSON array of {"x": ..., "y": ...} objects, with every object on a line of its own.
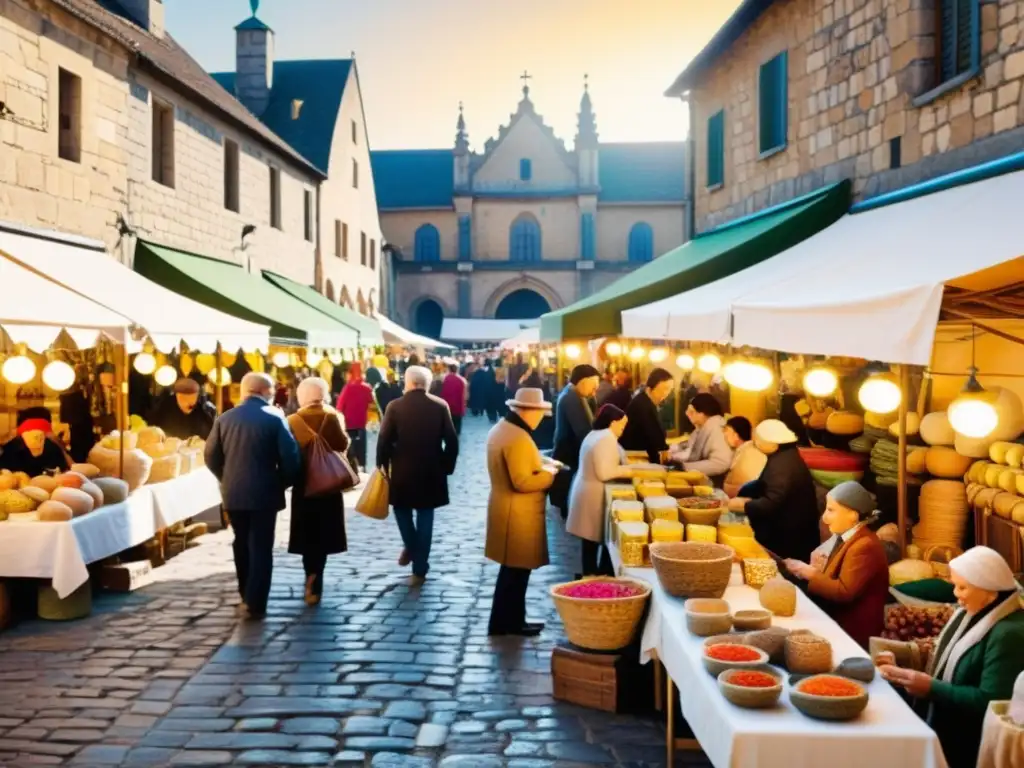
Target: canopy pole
[
  {"x": 219, "y": 383},
  {"x": 901, "y": 483},
  {"x": 121, "y": 374}
]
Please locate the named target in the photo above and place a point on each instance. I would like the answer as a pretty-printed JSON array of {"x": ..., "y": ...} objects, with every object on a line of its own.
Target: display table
[
  {"x": 61, "y": 551},
  {"x": 888, "y": 733}
]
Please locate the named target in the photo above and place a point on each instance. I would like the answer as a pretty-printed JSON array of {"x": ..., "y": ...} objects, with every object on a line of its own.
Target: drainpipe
[
  {"x": 690, "y": 222},
  {"x": 318, "y": 268}
]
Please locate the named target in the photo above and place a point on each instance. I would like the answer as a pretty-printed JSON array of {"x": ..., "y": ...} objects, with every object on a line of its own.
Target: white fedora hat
[{"x": 530, "y": 398}]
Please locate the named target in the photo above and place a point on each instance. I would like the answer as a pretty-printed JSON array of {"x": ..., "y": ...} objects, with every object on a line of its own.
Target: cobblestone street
[{"x": 381, "y": 674}]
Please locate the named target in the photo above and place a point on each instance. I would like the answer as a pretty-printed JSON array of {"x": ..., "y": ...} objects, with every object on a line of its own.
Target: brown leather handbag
[{"x": 327, "y": 471}]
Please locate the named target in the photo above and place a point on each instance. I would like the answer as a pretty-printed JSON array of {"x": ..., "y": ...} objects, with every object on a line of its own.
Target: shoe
[
  {"x": 311, "y": 597},
  {"x": 405, "y": 558},
  {"x": 250, "y": 615},
  {"x": 527, "y": 630},
  {"x": 417, "y": 581}
]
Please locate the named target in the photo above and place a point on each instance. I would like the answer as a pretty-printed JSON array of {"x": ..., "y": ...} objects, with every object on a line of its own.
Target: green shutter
[
  {"x": 958, "y": 37},
  {"x": 716, "y": 149},
  {"x": 773, "y": 103}
]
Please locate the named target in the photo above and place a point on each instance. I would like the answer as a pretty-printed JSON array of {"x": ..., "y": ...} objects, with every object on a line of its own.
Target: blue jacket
[{"x": 254, "y": 455}]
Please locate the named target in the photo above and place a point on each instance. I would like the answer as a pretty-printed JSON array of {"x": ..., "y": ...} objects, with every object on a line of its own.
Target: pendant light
[
  {"x": 710, "y": 363},
  {"x": 820, "y": 382},
  {"x": 637, "y": 353},
  {"x": 281, "y": 359},
  {"x": 59, "y": 376},
  {"x": 145, "y": 363},
  {"x": 880, "y": 393},
  {"x": 223, "y": 374},
  {"x": 571, "y": 351},
  {"x": 748, "y": 375},
  {"x": 686, "y": 362},
  {"x": 335, "y": 357},
  {"x": 613, "y": 349},
  {"x": 19, "y": 369},
  {"x": 313, "y": 358},
  {"x": 165, "y": 375},
  {"x": 972, "y": 413},
  {"x": 658, "y": 355}
]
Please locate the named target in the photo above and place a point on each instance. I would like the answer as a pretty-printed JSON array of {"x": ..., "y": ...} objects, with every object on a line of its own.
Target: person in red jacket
[
  {"x": 354, "y": 405},
  {"x": 454, "y": 391}
]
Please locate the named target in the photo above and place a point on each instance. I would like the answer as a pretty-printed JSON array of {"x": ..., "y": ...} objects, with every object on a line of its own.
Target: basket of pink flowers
[{"x": 601, "y": 613}]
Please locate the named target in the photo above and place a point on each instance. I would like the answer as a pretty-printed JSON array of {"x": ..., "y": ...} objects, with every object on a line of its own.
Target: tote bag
[
  {"x": 373, "y": 502},
  {"x": 327, "y": 471}
]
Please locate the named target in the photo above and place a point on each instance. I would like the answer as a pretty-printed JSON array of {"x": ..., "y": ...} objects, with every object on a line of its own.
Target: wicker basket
[
  {"x": 700, "y": 516},
  {"x": 77, "y": 605},
  {"x": 692, "y": 568},
  {"x": 758, "y": 570},
  {"x": 601, "y": 624},
  {"x": 808, "y": 654}
]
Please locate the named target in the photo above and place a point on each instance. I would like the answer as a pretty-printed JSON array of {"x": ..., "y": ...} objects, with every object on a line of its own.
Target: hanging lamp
[{"x": 973, "y": 413}]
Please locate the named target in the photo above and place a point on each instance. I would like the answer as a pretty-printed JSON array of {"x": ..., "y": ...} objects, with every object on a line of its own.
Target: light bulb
[
  {"x": 281, "y": 360},
  {"x": 686, "y": 362},
  {"x": 880, "y": 394},
  {"x": 637, "y": 353},
  {"x": 225, "y": 376},
  {"x": 820, "y": 382},
  {"x": 748, "y": 376},
  {"x": 972, "y": 417},
  {"x": 313, "y": 358},
  {"x": 334, "y": 356},
  {"x": 658, "y": 355},
  {"x": 572, "y": 351},
  {"x": 165, "y": 375},
  {"x": 145, "y": 363},
  {"x": 19, "y": 370},
  {"x": 710, "y": 363},
  {"x": 58, "y": 376},
  {"x": 613, "y": 349}
]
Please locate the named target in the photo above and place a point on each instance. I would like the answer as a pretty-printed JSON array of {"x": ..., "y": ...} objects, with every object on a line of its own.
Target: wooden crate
[
  {"x": 1005, "y": 537},
  {"x": 610, "y": 682},
  {"x": 126, "y": 577}
]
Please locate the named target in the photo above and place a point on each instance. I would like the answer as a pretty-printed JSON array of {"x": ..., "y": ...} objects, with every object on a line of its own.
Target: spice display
[
  {"x": 829, "y": 685},
  {"x": 752, "y": 679},
  {"x": 695, "y": 532},
  {"x": 661, "y": 508},
  {"x": 599, "y": 590},
  {"x": 732, "y": 652},
  {"x": 666, "y": 530},
  {"x": 778, "y": 596},
  {"x": 919, "y": 625}
]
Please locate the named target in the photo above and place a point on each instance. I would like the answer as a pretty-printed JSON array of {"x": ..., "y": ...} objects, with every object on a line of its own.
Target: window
[
  {"x": 231, "y": 175},
  {"x": 344, "y": 241},
  {"x": 355, "y": 174},
  {"x": 773, "y": 104},
  {"x": 355, "y": 132},
  {"x": 524, "y": 239},
  {"x": 275, "y": 197},
  {"x": 362, "y": 248},
  {"x": 428, "y": 244},
  {"x": 957, "y": 38},
  {"x": 163, "y": 144},
  {"x": 69, "y": 106},
  {"x": 641, "y": 242},
  {"x": 373, "y": 254},
  {"x": 895, "y": 152},
  {"x": 337, "y": 238},
  {"x": 525, "y": 169},
  {"x": 716, "y": 150},
  {"x": 307, "y": 215}
]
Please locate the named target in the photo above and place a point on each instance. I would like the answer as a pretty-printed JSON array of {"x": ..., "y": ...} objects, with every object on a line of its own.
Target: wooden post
[
  {"x": 219, "y": 385},
  {"x": 901, "y": 481},
  {"x": 670, "y": 722},
  {"x": 121, "y": 381}
]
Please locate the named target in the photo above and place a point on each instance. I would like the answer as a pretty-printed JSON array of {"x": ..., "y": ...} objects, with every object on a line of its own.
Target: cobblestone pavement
[{"x": 381, "y": 674}]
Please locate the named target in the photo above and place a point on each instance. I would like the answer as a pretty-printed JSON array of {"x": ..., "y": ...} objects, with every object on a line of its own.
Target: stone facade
[
  {"x": 113, "y": 175},
  {"x": 865, "y": 101}
]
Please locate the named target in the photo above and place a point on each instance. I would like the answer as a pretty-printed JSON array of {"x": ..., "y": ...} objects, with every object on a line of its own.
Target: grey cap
[{"x": 855, "y": 496}]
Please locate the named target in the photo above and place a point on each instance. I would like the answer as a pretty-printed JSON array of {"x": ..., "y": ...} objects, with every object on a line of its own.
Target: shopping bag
[
  {"x": 373, "y": 502},
  {"x": 327, "y": 471}
]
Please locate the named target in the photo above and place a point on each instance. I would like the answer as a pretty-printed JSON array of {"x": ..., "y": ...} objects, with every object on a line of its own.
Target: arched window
[
  {"x": 360, "y": 303},
  {"x": 524, "y": 239},
  {"x": 344, "y": 298},
  {"x": 329, "y": 290},
  {"x": 428, "y": 243},
  {"x": 641, "y": 242}
]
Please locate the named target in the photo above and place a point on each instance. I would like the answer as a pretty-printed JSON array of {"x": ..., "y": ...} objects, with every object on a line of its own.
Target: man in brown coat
[{"x": 516, "y": 523}]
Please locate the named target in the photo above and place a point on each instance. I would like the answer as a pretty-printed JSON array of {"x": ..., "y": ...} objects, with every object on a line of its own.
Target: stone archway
[
  {"x": 522, "y": 304},
  {"x": 428, "y": 318},
  {"x": 543, "y": 290},
  {"x": 344, "y": 298}
]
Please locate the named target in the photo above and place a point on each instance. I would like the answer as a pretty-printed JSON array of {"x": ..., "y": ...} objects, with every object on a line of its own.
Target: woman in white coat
[{"x": 601, "y": 461}]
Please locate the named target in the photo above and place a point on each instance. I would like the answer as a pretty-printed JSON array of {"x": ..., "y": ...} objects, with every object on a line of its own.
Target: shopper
[
  {"x": 707, "y": 451},
  {"x": 454, "y": 391},
  {"x": 747, "y": 460},
  {"x": 354, "y": 405},
  {"x": 574, "y": 413},
  {"x": 644, "y": 432}
]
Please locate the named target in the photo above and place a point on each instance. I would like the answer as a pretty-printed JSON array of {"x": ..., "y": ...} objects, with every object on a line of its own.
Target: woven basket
[
  {"x": 601, "y": 625},
  {"x": 701, "y": 516},
  {"x": 77, "y": 605},
  {"x": 692, "y": 568}
]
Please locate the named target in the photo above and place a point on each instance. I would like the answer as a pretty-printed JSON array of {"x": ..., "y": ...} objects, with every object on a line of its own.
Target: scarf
[
  {"x": 962, "y": 633},
  {"x": 514, "y": 419}
]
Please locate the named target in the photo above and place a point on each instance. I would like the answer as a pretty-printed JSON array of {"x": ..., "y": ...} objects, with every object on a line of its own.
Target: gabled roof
[
  {"x": 413, "y": 178},
  {"x": 740, "y": 21},
  {"x": 320, "y": 86},
  {"x": 170, "y": 61},
  {"x": 642, "y": 172}
]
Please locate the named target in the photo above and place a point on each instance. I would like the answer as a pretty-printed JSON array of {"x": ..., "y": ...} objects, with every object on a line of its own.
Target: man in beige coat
[{"x": 516, "y": 523}]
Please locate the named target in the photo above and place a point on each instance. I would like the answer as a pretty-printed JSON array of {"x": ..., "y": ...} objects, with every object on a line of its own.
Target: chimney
[
  {"x": 254, "y": 62},
  {"x": 148, "y": 14}
]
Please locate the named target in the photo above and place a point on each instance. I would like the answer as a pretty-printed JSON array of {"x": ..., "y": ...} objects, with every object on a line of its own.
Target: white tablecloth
[
  {"x": 61, "y": 551},
  {"x": 887, "y": 735}
]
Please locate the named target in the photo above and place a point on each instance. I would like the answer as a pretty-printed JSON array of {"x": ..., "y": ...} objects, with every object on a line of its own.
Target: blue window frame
[
  {"x": 428, "y": 244},
  {"x": 716, "y": 149},
  {"x": 958, "y": 36},
  {"x": 525, "y": 169},
  {"x": 641, "y": 242},
  {"x": 524, "y": 239},
  {"x": 773, "y": 104}
]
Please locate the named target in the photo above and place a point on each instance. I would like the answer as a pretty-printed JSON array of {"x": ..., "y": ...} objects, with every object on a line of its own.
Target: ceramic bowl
[
  {"x": 829, "y": 707},
  {"x": 718, "y": 666},
  {"x": 755, "y": 618},
  {"x": 750, "y": 698},
  {"x": 707, "y": 616}
]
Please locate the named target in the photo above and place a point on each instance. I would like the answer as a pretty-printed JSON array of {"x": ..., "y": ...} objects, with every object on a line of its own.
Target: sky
[{"x": 418, "y": 59}]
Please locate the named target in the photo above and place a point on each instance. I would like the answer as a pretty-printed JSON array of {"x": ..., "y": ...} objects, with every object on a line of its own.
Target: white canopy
[
  {"x": 396, "y": 334},
  {"x": 167, "y": 317},
  {"x": 528, "y": 337},
  {"x": 34, "y": 311},
  {"x": 870, "y": 286},
  {"x": 481, "y": 329}
]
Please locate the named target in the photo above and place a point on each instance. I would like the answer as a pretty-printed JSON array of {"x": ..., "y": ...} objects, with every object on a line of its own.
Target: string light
[
  {"x": 820, "y": 382},
  {"x": 145, "y": 363},
  {"x": 658, "y": 355},
  {"x": 335, "y": 357},
  {"x": 58, "y": 376},
  {"x": 313, "y": 358},
  {"x": 880, "y": 394},
  {"x": 748, "y": 376},
  {"x": 637, "y": 353},
  {"x": 165, "y": 375},
  {"x": 686, "y": 362},
  {"x": 710, "y": 363},
  {"x": 281, "y": 359},
  {"x": 572, "y": 351},
  {"x": 19, "y": 370},
  {"x": 613, "y": 349}
]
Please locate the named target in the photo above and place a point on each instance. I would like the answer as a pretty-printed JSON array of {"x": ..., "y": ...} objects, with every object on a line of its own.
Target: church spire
[
  {"x": 586, "y": 130},
  {"x": 461, "y": 137}
]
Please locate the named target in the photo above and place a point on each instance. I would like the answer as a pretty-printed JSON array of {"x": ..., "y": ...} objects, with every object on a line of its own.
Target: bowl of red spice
[
  {"x": 719, "y": 657},
  {"x": 601, "y": 614},
  {"x": 829, "y": 697},
  {"x": 751, "y": 688}
]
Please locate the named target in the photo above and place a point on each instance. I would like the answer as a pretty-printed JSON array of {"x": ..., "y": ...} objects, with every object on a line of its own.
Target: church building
[{"x": 526, "y": 226}]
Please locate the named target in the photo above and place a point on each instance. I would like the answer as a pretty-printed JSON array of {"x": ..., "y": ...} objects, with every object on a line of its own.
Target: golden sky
[{"x": 418, "y": 58}]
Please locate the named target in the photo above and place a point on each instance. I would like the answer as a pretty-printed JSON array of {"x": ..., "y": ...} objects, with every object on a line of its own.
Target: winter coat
[
  {"x": 318, "y": 522},
  {"x": 354, "y": 404},
  {"x": 601, "y": 461},
  {"x": 643, "y": 430},
  {"x": 785, "y": 515},
  {"x": 573, "y": 417},
  {"x": 708, "y": 451}
]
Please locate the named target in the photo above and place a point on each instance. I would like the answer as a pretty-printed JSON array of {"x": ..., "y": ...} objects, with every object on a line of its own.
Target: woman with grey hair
[{"x": 318, "y": 522}]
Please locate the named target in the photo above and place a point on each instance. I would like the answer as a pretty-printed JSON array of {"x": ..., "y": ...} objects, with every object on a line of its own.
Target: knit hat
[
  {"x": 35, "y": 419},
  {"x": 855, "y": 496},
  {"x": 186, "y": 387},
  {"x": 581, "y": 372},
  {"x": 984, "y": 568},
  {"x": 774, "y": 431}
]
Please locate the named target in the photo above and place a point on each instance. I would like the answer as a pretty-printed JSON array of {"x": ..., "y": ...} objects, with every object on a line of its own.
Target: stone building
[
  {"x": 527, "y": 225},
  {"x": 792, "y": 95}
]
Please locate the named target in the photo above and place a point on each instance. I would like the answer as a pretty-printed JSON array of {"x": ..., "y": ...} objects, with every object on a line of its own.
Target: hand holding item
[
  {"x": 800, "y": 569},
  {"x": 819, "y": 561},
  {"x": 738, "y": 505},
  {"x": 917, "y": 684},
  {"x": 885, "y": 659}
]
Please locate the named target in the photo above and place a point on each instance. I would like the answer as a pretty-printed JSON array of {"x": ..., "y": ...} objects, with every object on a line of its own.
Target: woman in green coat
[{"x": 977, "y": 657}]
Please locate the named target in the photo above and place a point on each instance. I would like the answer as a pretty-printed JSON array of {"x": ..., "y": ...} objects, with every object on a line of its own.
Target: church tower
[
  {"x": 461, "y": 153},
  {"x": 586, "y": 140}
]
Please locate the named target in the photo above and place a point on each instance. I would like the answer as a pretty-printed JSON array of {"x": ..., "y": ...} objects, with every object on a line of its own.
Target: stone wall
[{"x": 860, "y": 76}]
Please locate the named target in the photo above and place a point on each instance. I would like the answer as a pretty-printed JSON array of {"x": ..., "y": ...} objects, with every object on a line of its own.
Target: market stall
[{"x": 396, "y": 334}]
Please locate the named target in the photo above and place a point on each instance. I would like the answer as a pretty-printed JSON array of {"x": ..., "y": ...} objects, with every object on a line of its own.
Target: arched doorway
[
  {"x": 329, "y": 290},
  {"x": 428, "y": 318},
  {"x": 522, "y": 304}
]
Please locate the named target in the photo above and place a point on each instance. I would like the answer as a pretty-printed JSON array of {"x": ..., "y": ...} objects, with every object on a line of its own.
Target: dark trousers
[
  {"x": 457, "y": 421},
  {"x": 508, "y": 608},
  {"x": 595, "y": 559},
  {"x": 254, "y": 555},
  {"x": 357, "y": 448},
  {"x": 417, "y": 536},
  {"x": 313, "y": 564}
]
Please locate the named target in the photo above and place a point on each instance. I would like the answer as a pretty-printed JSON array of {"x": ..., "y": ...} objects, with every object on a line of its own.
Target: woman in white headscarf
[
  {"x": 977, "y": 657},
  {"x": 318, "y": 523}
]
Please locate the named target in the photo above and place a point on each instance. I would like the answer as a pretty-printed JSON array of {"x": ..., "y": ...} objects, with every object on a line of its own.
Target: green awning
[
  {"x": 232, "y": 289},
  {"x": 367, "y": 328},
  {"x": 704, "y": 259}
]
